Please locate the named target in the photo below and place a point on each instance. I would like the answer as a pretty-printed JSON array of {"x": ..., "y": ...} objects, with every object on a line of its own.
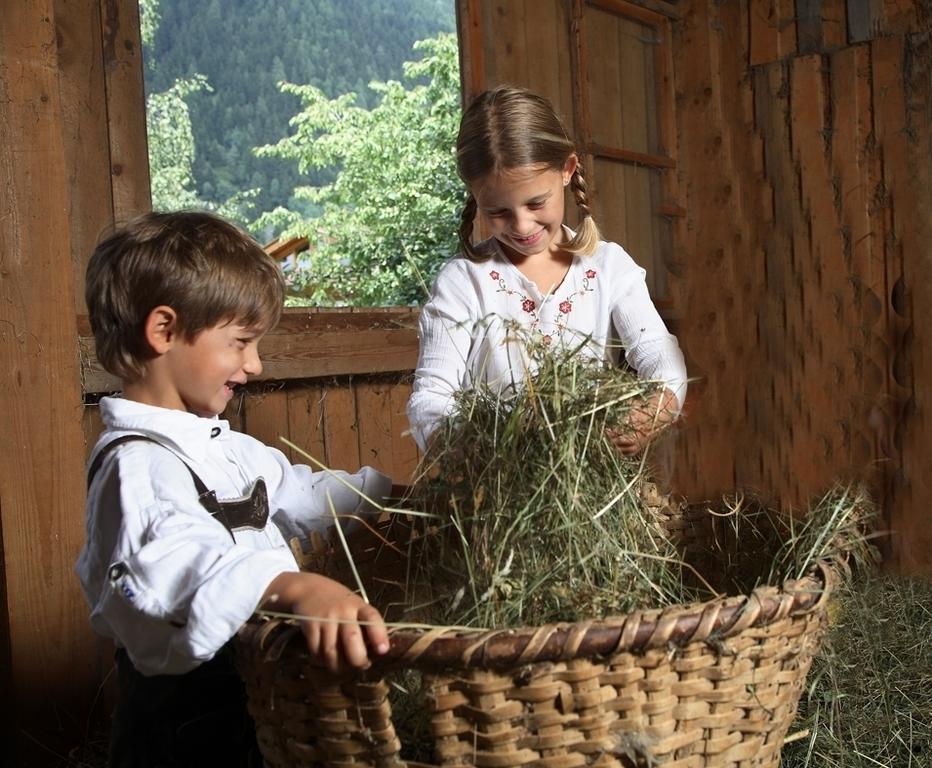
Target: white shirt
[
  {"x": 463, "y": 328},
  {"x": 164, "y": 579}
]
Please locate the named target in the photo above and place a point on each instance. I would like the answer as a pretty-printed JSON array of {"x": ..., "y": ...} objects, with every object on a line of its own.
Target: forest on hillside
[{"x": 245, "y": 48}]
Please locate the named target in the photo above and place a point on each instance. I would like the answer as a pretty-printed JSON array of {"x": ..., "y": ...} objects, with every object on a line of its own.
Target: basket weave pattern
[{"x": 696, "y": 686}]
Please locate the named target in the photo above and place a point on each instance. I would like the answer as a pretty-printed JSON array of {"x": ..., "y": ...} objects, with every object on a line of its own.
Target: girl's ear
[
  {"x": 569, "y": 168},
  {"x": 161, "y": 328}
]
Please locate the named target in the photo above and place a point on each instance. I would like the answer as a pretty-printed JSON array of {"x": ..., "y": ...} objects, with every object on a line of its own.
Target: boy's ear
[{"x": 161, "y": 328}]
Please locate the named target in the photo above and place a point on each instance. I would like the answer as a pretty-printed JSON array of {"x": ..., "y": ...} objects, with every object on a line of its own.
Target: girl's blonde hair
[{"x": 507, "y": 128}]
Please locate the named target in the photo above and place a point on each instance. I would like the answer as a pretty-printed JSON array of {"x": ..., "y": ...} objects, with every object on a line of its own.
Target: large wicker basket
[{"x": 701, "y": 685}]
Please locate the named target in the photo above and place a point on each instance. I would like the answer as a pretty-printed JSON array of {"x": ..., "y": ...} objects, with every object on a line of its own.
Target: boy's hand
[
  {"x": 644, "y": 423},
  {"x": 333, "y": 635}
]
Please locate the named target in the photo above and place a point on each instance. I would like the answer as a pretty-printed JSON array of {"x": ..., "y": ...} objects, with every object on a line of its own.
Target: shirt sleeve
[
  {"x": 445, "y": 334},
  {"x": 650, "y": 349},
  {"x": 305, "y": 500},
  {"x": 165, "y": 580}
]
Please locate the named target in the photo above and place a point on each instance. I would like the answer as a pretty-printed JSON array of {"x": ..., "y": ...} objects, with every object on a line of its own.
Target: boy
[{"x": 187, "y": 520}]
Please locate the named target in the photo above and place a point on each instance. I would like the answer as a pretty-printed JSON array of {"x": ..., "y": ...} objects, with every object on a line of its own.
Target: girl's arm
[
  {"x": 446, "y": 334},
  {"x": 650, "y": 349}
]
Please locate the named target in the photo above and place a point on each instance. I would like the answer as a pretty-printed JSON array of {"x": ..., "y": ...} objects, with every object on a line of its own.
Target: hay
[
  {"x": 869, "y": 703},
  {"x": 544, "y": 518}
]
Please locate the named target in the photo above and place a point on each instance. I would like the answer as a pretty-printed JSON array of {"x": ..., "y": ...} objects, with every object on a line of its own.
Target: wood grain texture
[
  {"x": 49, "y": 670},
  {"x": 308, "y": 344}
]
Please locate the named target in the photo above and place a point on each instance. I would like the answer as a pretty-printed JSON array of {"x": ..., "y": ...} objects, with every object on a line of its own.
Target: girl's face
[{"x": 523, "y": 208}]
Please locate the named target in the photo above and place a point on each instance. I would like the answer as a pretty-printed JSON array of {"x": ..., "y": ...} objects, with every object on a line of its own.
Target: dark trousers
[{"x": 176, "y": 721}]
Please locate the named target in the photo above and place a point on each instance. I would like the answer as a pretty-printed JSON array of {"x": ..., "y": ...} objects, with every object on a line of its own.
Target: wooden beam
[
  {"x": 126, "y": 113},
  {"x": 627, "y": 156},
  {"x": 472, "y": 54},
  {"x": 48, "y": 678},
  {"x": 307, "y": 344}
]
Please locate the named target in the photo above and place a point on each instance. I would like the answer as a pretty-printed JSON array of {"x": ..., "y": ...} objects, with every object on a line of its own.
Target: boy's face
[{"x": 203, "y": 373}]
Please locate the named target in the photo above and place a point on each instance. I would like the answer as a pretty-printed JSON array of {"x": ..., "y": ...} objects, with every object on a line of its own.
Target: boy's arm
[
  {"x": 332, "y": 616},
  {"x": 165, "y": 580},
  {"x": 305, "y": 499}
]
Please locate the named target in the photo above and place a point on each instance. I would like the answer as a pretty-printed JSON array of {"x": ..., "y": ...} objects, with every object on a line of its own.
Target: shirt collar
[{"x": 186, "y": 433}]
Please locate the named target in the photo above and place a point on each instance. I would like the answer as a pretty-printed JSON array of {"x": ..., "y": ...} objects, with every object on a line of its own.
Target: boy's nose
[{"x": 252, "y": 365}]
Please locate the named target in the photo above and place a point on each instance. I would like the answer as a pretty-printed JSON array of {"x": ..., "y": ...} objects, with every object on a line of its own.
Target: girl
[{"x": 556, "y": 285}]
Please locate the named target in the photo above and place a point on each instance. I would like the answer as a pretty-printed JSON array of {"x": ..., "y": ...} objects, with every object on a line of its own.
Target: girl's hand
[
  {"x": 334, "y": 637},
  {"x": 644, "y": 423}
]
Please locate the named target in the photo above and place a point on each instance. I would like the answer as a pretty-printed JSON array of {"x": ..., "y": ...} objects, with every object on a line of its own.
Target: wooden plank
[
  {"x": 306, "y": 422},
  {"x": 472, "y": 53},
  {"x": 902, "y": 98},
  {"x": 507, "y": 62},
  {"x": 563, "y": 96},
  {"x": 773, "y": 32},
  {"x": 605, "y": 92},
  {"x": 49, "y": 670},
  {"x": 129, "y": 154},
  {"x": 864, "y": 19},
  {"x": 809, "y": 26},
  {"x": 404, "y": 449},
  {"x": 856, "y": 165},
  {"x": 638, "y": 72},
  {"x": 640, "y": 12},
  {"x": 308, "y": 345},
  {"x": 581, "y": 122},
  {"x": 82, "y": 94},
  {"x": 635, "y": 158},
  {"x": 374, "y": 420},
  {"x": 612, "y": 219},
  {"x": 639, "y": 223},
  {"x": 542, "y": 35},
  {"x": 341, "y": 432},
  {"x": 834, "y": 25},
  {"x": 266, "y": 418}
]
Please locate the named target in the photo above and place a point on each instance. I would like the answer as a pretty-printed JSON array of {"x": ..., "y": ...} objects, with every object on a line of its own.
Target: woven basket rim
[{"x": 265, "y": 639}]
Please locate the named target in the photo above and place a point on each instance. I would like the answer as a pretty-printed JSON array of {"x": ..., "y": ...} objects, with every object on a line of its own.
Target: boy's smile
[
  {"x": 198, "y": 375},
  {"x": 205, "y": 372}
]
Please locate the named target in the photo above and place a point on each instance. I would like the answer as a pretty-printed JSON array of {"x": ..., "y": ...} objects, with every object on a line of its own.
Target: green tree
[
  {"x": 171, "y": 139},
  {"x": 390, "y": 216}
]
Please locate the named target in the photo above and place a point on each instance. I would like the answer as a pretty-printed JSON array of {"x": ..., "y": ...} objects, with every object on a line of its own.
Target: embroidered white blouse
[
  {"x": 164, "y": 579},
  {"x": 463, "y": 327}
]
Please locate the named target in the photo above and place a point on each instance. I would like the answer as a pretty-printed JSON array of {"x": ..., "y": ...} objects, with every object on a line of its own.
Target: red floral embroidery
[
  {"x": 494, "y": 275},
  {"x": 590, "y": 273},
  {"x": 566, "y": 307},
  {"x": 528, "y": 305}
]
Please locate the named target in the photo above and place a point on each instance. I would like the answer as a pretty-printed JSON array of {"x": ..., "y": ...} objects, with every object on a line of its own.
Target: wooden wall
[
  {"x": 795, "y": 192},
  {"x": 804, "y": 150},
  {"x": 72, "y": 159}
]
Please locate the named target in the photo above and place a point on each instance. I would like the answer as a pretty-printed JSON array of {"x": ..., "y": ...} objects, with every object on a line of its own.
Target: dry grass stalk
[
  {"x": 545, "y": 521},
  {"x": 869, "y": 703}
]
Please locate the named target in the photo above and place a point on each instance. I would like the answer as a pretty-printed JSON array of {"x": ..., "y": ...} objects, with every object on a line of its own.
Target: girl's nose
[{"x": 524, "y": 224}]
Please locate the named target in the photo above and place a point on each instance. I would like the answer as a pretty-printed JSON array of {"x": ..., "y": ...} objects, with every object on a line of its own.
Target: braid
[
  {"x": 467, "y": 221},
  {"x": 587, "y": 236}
]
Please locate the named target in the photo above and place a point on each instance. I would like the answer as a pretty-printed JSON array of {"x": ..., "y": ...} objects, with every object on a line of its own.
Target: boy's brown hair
[{"x": 205, "y": 268}]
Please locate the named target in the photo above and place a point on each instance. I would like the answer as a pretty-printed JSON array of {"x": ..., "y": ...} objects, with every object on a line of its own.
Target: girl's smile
[{"x": 523, "y": 208}]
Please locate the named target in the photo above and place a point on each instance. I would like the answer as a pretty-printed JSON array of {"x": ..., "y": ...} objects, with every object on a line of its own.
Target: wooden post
[
  {"x": 72, "y": 157},
  {"x": 48, "y": 681}
]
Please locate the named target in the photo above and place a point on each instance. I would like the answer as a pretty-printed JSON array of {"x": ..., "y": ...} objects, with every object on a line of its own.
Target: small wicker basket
[{"x": 701, "y": 685}]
